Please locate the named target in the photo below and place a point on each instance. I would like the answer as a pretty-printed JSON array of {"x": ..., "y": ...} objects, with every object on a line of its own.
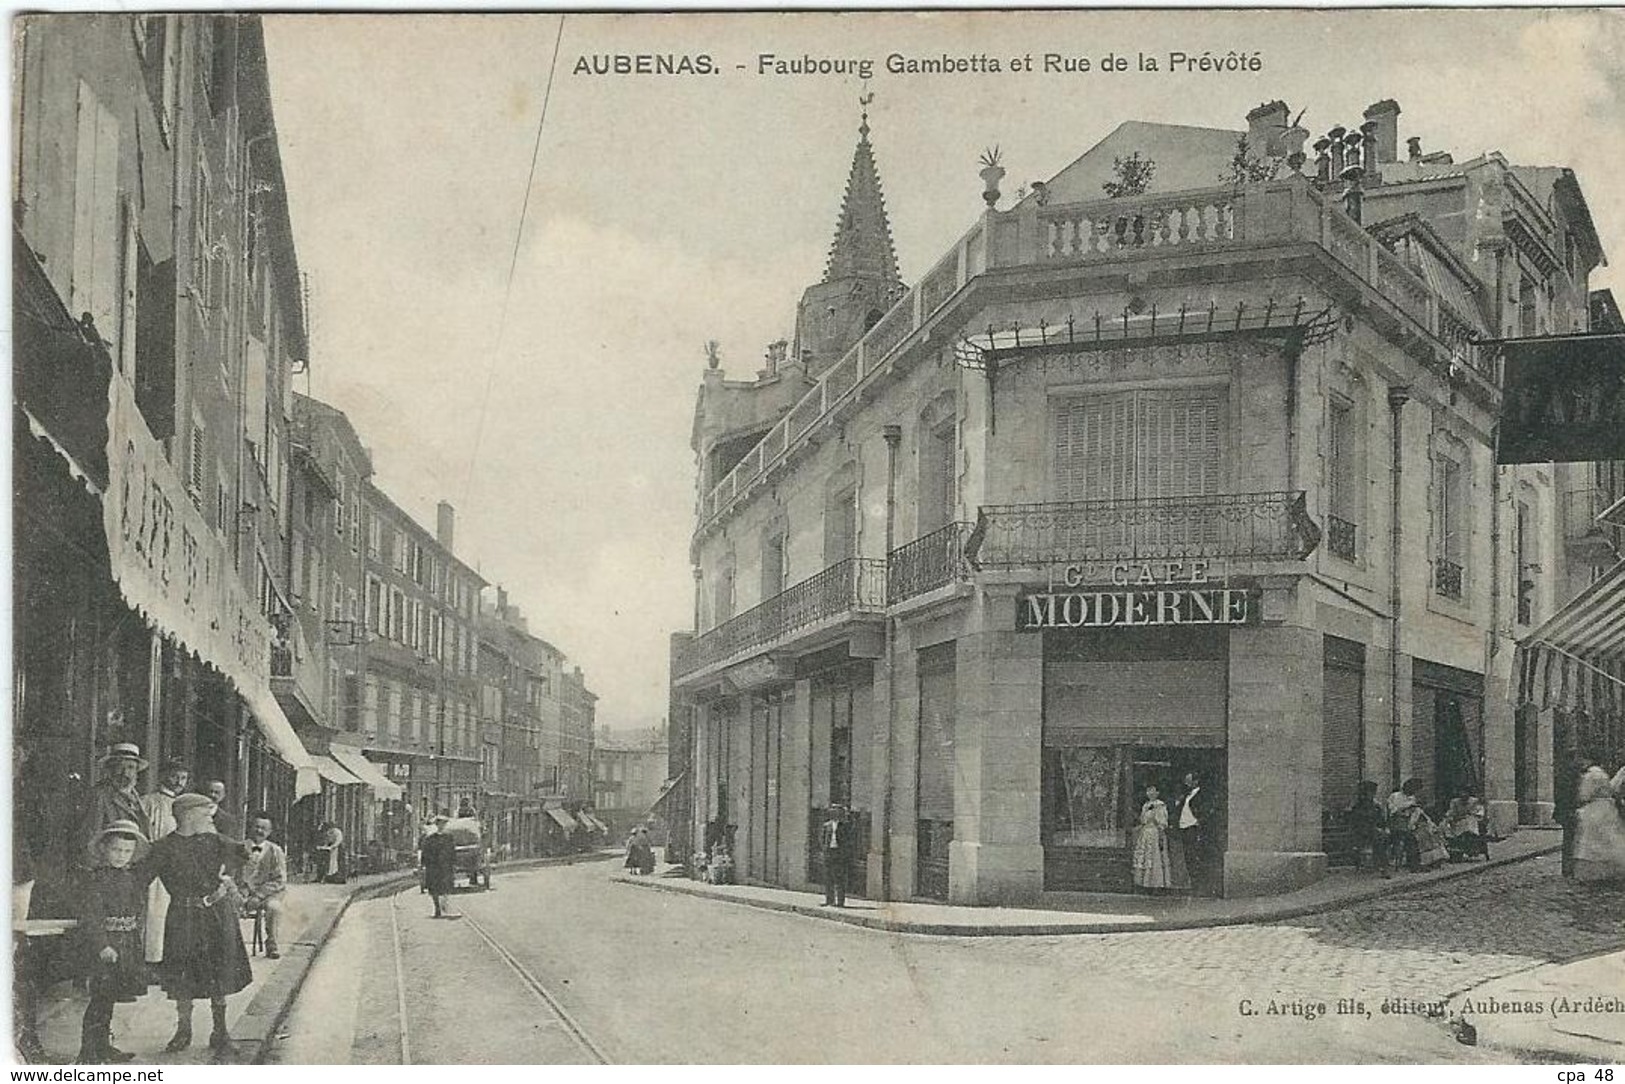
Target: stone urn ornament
[{"x": 992, "y": 173}]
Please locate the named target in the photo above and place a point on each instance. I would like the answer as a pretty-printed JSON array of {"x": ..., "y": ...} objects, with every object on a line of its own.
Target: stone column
[
  {"x": 996, "y": 855},
  {"x": 1272, "y": 793},
  {"x": 1500, "y": 752}
]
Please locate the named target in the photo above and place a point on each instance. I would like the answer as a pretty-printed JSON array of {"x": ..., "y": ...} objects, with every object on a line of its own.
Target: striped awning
[
  {"x": 1576, "y": 660},
  {"x": 563, "y": 818},
  {"x": 330, "y": 770}
]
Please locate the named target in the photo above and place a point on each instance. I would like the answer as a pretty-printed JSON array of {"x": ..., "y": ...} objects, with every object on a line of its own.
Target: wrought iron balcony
[
  {"x": 1447, "y": 576},
  {"x": 927, "y": 563},
  {"x": 856, "y": 585},
  {"x": 1341, "y": 538},
  {"x": 1258, "y": 526}
]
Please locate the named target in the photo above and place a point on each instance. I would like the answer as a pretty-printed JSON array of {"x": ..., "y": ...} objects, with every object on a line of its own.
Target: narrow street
[{"x": 637, "y": 976}]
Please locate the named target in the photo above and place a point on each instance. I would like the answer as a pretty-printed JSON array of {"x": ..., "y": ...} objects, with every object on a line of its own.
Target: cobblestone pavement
[{"x": 1424, "y": 945}]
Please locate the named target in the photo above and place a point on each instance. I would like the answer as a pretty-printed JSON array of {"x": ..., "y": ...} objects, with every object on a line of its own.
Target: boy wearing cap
[
  {"x": 203, "y": 944},
  {"x": 112, "y": 902}
]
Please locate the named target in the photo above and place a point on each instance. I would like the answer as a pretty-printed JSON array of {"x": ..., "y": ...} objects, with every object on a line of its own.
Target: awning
[
  {"x": 592, "y": 822},
  {"x": 280, "y": 733},
  {"x": 564, "y": 819},
  {"x": 366, "y": 771},
  {"x": 1576, "y": 660},
  {"x": 329, "y": 770},
  {"x": 667, "y": 789}
]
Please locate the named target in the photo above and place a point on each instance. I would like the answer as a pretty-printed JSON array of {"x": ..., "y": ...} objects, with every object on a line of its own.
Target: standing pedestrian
[
  {"x": 1599, "y": 843},
  {"x": 224, "y": 822},
  {"x": 114, "y": 798},
  {"x": 112, "y": 900},
  {"x": 439, "y": 860},
  {"x": 1192, "y": 821},
  {"x": 265, "y": 880},
  {"x": 1151, "y": 869},
  {"x": 159, "y": 807},
  {"x": 203, "y": 944},
  {"x": 835, "y": 834}
]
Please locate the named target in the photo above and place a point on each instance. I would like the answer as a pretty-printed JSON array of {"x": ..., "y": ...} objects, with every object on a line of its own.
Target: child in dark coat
[{"x": 112, "y": 931}]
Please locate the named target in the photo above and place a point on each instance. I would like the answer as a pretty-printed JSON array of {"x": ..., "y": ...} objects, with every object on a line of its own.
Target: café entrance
[{"x": 1125, "y": 710}]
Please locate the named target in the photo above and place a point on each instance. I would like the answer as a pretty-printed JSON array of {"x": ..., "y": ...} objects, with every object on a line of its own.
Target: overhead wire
[{"x": 513, "y": 264}]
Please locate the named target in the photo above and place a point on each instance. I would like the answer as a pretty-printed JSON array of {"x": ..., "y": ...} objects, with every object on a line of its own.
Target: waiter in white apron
[{"x": 159, "y": 807}]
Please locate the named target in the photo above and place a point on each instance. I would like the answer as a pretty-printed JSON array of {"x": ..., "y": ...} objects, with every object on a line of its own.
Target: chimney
[
  {"x": 1386, "y": 115},
  {"x": 445, "y": 524},
  {"x": 1266, "y": 124},
  {"x": 1413, "y": 148},
  {"x": 502, "y": 601}
]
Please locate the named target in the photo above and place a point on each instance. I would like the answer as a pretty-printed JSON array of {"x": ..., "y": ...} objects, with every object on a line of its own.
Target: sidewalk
[
  {"x": 1080, "y": 912},
  {"x": 1563, "y": 1012},
  {"x": 310, "y": 913}
]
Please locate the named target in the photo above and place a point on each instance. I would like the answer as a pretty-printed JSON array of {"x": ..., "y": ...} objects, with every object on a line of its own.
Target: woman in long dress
[
  {"x": 1151, "y": 870},
  {"x": 1599, "y": 842}
]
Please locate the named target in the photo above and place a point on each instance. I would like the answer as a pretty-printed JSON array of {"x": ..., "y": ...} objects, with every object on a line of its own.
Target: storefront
[{"x": 1135, "y": 695}]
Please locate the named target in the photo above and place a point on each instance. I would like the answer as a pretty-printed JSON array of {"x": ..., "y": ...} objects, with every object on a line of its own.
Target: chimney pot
[
  {"x": 1386, "y": 116},
  {"x": 1413, "y": 148}
]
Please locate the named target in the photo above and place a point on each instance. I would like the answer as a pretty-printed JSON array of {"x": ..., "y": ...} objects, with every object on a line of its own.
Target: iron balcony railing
[
  {"x": 857, "y": 584},
  {"x": 927, "y": 563},
  {"x": 1340, "y": 538},
  {"x": 1260, "y": 526},
  {"x": 1447, "y": 576}
]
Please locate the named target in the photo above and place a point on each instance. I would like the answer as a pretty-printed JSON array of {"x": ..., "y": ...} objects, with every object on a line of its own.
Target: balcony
[
  {"x": 855, "y": 585},
  {"x": 927, "y": 563},
  {"x": 1196, "y": 224},
  {"x": 1246, "y": 526},
  {"x": 1341, "y": 538}
]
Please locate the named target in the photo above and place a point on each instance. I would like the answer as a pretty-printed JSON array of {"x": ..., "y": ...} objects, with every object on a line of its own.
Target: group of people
[
  {"x": 1400, "y": 833},
  {"x": 1173, "y": 850},
  {"x": 640, "y": 852},
  {"x": 160, "y": 897}
]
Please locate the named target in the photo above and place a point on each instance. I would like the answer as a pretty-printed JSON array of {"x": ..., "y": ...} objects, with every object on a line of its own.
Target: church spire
[{"x": 863, "y": 245}]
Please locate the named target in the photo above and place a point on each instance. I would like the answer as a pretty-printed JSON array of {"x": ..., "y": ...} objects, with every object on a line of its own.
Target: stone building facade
[
  {"x": 159, "y": 323},
  {"x": 1197, "y": 478}
]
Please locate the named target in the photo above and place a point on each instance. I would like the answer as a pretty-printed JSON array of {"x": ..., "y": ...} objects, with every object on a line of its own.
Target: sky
[{"x": 668, "y": 210}]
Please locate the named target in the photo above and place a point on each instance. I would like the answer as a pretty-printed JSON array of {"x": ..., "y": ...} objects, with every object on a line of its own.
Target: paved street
[{"x": 642, "y": 976}]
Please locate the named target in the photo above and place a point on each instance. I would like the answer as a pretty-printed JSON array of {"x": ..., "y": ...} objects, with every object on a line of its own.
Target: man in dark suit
[
  {"x": 833, "y": 841},
  {"x": 1192, "y": 818}
]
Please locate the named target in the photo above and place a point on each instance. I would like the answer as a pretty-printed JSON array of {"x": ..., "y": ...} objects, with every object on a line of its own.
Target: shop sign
[
  {"x": 169, "y": 563},
  {"x": 1173, "y": 571},
  {"x": 1115, "y": 607}
]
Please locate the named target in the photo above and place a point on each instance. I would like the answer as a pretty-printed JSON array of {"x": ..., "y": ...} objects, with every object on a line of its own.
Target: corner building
[{"x": 1196, "y": 478}]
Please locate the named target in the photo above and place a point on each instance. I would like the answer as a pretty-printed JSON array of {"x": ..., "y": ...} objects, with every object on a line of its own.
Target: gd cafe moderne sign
[{"x": 1137, "y": 595}]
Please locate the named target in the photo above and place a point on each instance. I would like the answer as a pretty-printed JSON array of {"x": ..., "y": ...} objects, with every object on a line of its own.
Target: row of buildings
[
  {"x": 203, "y": 563},
  {"x": 1184, "y": 461}
]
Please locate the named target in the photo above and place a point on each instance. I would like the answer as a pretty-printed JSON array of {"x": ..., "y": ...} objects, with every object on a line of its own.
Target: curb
[
  {"x": 256, "y": 1028},
  {"x": 1051, "y": 929}
]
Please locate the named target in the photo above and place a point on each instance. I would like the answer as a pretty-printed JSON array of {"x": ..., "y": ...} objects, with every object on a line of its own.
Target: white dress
[
  {"x": 1599, "y": 842},
  {"x": 1151, "y": 868}
]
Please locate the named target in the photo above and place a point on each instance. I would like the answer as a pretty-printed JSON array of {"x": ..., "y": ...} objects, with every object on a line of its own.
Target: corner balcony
[
  {"x": 1270, "y": 222},
  {"x": 847, "y": 591},
  {"x": 1253, "y": 527},
  {"x": 929, "y": 562}
]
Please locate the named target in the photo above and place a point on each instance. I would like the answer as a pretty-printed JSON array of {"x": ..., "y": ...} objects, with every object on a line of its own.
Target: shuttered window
[
  {"x": 1140, "y": 444},
  {"x": 1341, "y": 728}
]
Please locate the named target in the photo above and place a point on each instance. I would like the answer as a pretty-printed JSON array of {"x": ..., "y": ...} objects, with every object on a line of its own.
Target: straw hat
[
  {"x": 124, "y": 750},
  {"x": 121, "y": 829}
]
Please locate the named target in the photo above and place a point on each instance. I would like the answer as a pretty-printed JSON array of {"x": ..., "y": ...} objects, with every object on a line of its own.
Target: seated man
[{"x": 265, "y": 879}]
